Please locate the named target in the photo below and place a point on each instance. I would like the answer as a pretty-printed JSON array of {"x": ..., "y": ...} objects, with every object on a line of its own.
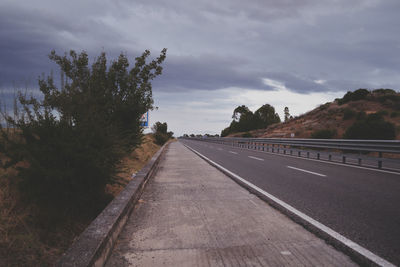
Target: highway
[{"x": 361, "y": 204}]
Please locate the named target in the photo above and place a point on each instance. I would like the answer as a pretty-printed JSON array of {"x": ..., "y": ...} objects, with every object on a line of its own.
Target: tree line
[{"x": 245, "y": 120}]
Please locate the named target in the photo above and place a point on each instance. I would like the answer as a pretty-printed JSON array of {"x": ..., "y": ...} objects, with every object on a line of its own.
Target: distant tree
[
  {"x": 225, "y": 132},
  {"x": 239, "y": 111},
  {"x": 161, "y": 134},
  {"x": 244, "y": 120},
  {"x": 266, "y": 116},
  {"x": 358, "y": 94},
  {"x": 287, "y": 114}
]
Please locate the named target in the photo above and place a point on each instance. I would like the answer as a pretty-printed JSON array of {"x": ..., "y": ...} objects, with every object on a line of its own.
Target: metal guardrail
[{"x": 289, "y": 144}]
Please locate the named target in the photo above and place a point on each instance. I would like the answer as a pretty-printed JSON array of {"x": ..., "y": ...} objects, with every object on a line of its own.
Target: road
[{"x": 361, "y": 204}]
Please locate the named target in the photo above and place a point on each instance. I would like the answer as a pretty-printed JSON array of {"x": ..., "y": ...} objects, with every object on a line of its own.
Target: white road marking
[
  {"x": 315, "y": 173},
  {"x": 256, "y": 158},
  {"x": 329, "y": 162},
  {"x": 233, "y": 152},
  {"x": 335, "y": 235}
]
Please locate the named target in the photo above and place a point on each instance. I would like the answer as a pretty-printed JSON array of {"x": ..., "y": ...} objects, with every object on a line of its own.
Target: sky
[{"x": 221, "y": 54}]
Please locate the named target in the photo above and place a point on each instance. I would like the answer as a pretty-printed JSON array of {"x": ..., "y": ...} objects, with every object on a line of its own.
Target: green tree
[
  {"x": 266, "y": 116},
  {"x": 161, "y": 133},
  {"x": 74, "y": 138},
  {"x": 239, "y": 111},
  {"x": 287, "y": 114}
]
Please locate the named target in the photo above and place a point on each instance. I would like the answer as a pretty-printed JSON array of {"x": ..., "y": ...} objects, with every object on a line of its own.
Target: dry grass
[
  {"x": 25, "y": 236},
  {"x": 133, "y": 163}
]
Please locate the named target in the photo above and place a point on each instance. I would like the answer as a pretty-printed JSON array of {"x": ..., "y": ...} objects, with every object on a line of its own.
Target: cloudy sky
[{"x": 221, "y": 54}]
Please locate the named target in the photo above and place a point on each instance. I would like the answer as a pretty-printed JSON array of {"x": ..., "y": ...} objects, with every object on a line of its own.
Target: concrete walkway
[{"x": 191, "y": 214}]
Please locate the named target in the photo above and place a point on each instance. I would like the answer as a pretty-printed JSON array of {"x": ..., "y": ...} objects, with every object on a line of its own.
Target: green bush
[
  {"x": 354, "y": 96},
  {"x": 160, "y": 133},
  {"x": 394, "y": 114},
  {"x": 383, "y": 112},
  {"x": 348, "y": 114},
  {"x": 384, "y": 91},
  {"x": 323, "y": 134},
  {"x": 74, "y": 138},
  {"x": 373, "y": 127},
  {"x": 247, "y": 135},
  {"x": 361, "y": 115}
]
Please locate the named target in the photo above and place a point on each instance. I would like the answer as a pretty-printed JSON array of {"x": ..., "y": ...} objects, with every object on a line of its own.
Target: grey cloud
[
  {"x": 207, "y": 72},
  {"x": 213, "y": 44}
]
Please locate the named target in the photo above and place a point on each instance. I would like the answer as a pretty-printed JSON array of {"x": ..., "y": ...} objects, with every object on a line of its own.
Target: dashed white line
[
  {"x": 335, "y": 235},
  {"x": 298, "y": 169},
  {"x": 233, "y": 152},
  {"x": 256, "y": 158}
]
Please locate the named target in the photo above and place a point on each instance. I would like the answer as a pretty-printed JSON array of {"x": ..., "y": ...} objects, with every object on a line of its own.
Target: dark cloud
[
  {"x": 214, "y": 44},
  {"x": 207, "y": 72}
]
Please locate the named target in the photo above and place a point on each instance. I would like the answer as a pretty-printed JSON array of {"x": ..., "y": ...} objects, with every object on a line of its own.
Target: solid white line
[
  {"x": 345, "y": 241},
  {"x": 315, "y": 173},
  {"x": 233, "y": 152},
  {"x": 255, "y": 158}
]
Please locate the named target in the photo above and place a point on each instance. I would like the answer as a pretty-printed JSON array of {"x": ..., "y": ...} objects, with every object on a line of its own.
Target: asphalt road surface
[{"x": 361, "y": 204}]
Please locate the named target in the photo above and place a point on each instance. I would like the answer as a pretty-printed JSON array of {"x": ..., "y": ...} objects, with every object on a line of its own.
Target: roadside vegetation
[
  {"x": 63, "y": 154},
  {"x": 161, "y": 134}
]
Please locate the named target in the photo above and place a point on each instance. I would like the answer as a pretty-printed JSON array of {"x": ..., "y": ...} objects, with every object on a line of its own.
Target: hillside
[{"x": 331, "y": 120}]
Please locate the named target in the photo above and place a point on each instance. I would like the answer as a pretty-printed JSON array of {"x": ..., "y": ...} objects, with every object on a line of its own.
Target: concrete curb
[
  {"x": 348, "y": 248},
  {"x": 94, "y": 245}
]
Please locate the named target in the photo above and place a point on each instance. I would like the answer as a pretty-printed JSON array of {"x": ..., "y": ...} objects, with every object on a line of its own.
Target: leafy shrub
[
  {"x": 324, "y": 106},
  {"x": 383, "y": 112},
  {"x": 160, "y": 133},
  {"x": 354, "y": 96},
  {"x": 361, "y": 115},
  {"x": 348, "y": 114},
  {"x": 384, "y": 91},
  {"x": 247, "y": 134},
  {"x": 74, "y": 138},
  {"x": 394, "y": 114},
  {"x": 323, "y": 134},
  {"x": 373, "y": 127}
]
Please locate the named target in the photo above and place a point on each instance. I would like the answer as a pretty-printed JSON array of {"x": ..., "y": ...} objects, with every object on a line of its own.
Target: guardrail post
[
  {"x": 330, "y": 157},
  {"x": 299, "y": 153},
  {"x": 284, "y": 151},
  {"x": 318, "y": 155},
  {"x": 359, "y": 161},
  {"x": 291, "y": 152},
  {"x": 344, "y": 159},
  {"x": 263, "y": 148},
  {"x": 308, "y": 154},
  {"x": 380, "y": 161}
]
